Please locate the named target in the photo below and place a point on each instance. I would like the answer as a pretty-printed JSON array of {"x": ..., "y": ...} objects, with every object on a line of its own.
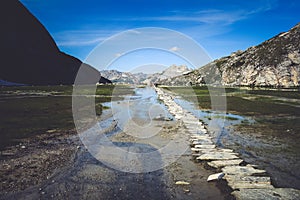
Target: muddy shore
[{"x": 58, "y": 166}]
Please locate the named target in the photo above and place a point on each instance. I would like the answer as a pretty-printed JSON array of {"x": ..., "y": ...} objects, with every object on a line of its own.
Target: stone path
[{"x": 246, "y": 180}]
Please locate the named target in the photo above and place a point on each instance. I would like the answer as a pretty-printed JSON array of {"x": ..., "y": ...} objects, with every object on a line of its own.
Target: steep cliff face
[
  {"x": 29, "y": 54},
  {"x": 275, "y": 62}
]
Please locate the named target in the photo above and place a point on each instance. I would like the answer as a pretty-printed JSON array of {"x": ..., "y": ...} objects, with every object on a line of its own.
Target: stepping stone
[
  {"x": 196, "y": 136},
  {"x": 223, "y": 163},
  {"x": 217, "y": 176},
  {"x": 248, "y": 182},
  {"x": 201, "y": 142},
  {"x": 213, "y": 151},
  {"x": 217, "y": 156},
  {"x": 205, "y": 146},
  {"x": 241, "y": 170}
]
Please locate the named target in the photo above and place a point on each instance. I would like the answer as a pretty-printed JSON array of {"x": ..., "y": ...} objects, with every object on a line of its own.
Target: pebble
[
  {"x": 182, "y": 183},
  {"x": 217, "y": 176}
]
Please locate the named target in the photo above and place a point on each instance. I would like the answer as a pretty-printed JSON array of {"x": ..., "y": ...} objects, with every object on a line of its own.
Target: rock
[
  {"x": 182, "y": 183},
  {"x": 195, "y": 142},
  {"x": 241, "y": 170},
  {"x": 23, "y": 147},
  {"x": 223, "y": 163},
  {"x": 205, "y": 146},
  {"x": 250, "y": 182},
  {"x": 270, "y": 194},
  {"x": 217, "y": 176},
  {"x": 51, "y": 131},
  {"x": 275, "y": 62},
  {"x": 200, "y": 137},
  {"x": 217, "y": 156}
]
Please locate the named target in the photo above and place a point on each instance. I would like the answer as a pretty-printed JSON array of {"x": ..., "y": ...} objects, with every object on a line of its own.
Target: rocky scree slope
[{"x": 275, "y": 62}]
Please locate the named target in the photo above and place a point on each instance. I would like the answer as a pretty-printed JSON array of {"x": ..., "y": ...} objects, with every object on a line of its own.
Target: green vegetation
[
  {"x": 277, "y": 93},
  {"x": 262, "y": 105},
  {"x": 245, "y": 101},
  {"x": 27, "y": 111}
]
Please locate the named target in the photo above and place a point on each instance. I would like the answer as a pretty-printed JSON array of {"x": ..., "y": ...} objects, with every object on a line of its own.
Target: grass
[
  {"x": 267, "y": 111},
  {"x": 277, "y": 93},
  {"x": 273, "y": 138},
  {"x": 236, "y": 103},
  {"x": 27, "y": 111}
]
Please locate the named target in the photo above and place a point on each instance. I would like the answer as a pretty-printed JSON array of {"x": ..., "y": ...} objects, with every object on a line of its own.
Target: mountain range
[
  {"x": 141, "y": 78},
  {"x": 29, "y": 54},
  {"x": 275, "y": 62}
]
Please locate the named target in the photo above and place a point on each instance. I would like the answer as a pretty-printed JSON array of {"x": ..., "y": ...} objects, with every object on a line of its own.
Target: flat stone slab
[
  {"x": 211, "y": 151},
  {"x": 205, "y": 146},
  {"x": 241, "y": 170},
  {"x": 195, "y": 142},
  {"x": 200, "y": 137},
  {"x": 223, "y": 163},
  {"x": 256, "y": 179},
  {"x": 217, "y": 156},
  {"x": 206, "y": 151},
  {"x": 248, "y": 182},
  {"x": 268, "y": 194}
]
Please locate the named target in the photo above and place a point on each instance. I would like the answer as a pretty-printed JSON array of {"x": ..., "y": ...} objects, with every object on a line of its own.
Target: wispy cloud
[
  {"x": 82, "y": 37},
  {"x": 209, "y": 16}
]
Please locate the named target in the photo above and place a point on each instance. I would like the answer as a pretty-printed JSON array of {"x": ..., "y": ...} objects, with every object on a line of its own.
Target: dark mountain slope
[{"x": 29, "y": 54}]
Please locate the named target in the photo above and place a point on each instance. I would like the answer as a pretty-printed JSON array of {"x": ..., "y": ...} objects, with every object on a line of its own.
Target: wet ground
[
  {"x": 269, "y": 140},
  {"x": 63, "y": 165}
]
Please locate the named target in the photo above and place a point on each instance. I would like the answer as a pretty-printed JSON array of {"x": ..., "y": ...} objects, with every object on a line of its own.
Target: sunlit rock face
[{"x": 275, "y": 62}]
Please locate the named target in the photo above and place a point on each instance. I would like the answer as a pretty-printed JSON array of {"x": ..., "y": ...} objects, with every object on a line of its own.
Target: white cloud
[
  {"x": 118, "y": 55},
  {"x": 174, "y": 49}
]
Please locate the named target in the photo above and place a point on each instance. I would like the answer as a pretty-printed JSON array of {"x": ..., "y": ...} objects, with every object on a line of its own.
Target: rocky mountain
[
  {"x": 141, "y": 78},
  {"x": 29, "y": 54},
  {"x": 167, "y": 74},
  {"x": 123, "y": 77},
  {"x": 275, "y": 62}
]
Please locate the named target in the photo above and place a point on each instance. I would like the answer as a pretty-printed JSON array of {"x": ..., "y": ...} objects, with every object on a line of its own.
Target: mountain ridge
[
  {"x": 275, "y": 62},
  {"x": 29, "y": 54},
  {"x": 141, "y": 78}
]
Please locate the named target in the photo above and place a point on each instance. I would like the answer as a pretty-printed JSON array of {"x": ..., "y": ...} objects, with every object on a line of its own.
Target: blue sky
[{"x": 219, "y": 26}]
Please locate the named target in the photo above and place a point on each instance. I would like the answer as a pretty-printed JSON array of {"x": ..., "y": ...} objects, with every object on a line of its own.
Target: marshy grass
[{"x": 27, "y": 110}]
